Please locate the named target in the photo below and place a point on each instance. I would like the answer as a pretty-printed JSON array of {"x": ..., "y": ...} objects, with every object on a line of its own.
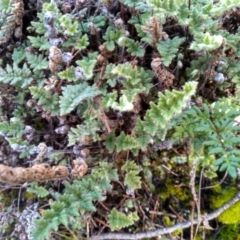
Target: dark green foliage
[
  {"x": 169, "y": 48},
  {"x": 77, "y": 199},
  {"x": 113, "y": 104},
  {"x": 109, "y": 141},
  {"x": 134, "y": 48},
  {"x": 132, "y": 180},
  {"x": 45, "y": 98},
  {"x": 118, "y": 220},
  {"x": 217, "y": 131},
  {"x": 40, "y": 42},
  {"x": 14, "y": 128},
  {"x": 89, "y": 128},
  {"x": 16, "y": 76},
  {"x": 40, "y": 191},
  {"x": 74, "y": 94}
]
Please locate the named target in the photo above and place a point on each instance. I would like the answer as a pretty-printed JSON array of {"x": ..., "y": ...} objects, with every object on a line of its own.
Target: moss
[
  {"x": 229, "y": 216},
  {"x": 230, "y": 232},
  {"x": 168, "y": 223},
  {"x": 181, "y": 193},
  {"x": 217, "y": 187}
]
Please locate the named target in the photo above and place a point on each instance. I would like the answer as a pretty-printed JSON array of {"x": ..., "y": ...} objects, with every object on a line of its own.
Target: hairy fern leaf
[
  {"x": 118, "y": 220},
  {"x": 74, "y": 94},
  {"x": 89, "y": 130},
  {"x": 68, "y": 74},
  {"x": 124, "y": 142},
  {"x": 37, "y": 62},
  {"x": 169, "y": 48},
  {"x": 40, "y": 42},
  {"x": 13, "y": 128},
  {"x": 45, "y": 98},
  {"x": 16, "y": 76}
]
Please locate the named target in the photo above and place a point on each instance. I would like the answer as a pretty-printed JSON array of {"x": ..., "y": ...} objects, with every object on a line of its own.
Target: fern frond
[
  {"x": 167, "y": 107},
  {"x": 124, "y": 142},
  {"x": 87, "y": 64},
  {"x": 169, "y": 7},
  {"x": 37, "y": 62},
  {"x": 72, "y": 95},
  {"x": 14, "y": 128},
  {"x": 68, "y": 74},
  {"x": 82, "y": 43},
  {"x": 20, "y": 77},
  {"x": 45, "y": 98},
  {"x": 40, "y": 42},
  {"x": 89, "y": 130},
  {"x": 168, "y": 49},
  {"x": 77, "y": 198},
  {"x": 118, "y": 220}
]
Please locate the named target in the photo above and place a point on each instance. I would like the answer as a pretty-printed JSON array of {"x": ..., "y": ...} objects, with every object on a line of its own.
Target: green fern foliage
[
  {"x": 111, "y": 37},
  {"x": 217, "y": 132},
  {"x": 37, "y": 62},
  {"x": 167, "y": 107},
  {"x": 14, "y": 75},
  {"x": 39, "y": 42},
  {"x": 167, "y": 6},
  {"x": 87, "y": 64},
  {"x": 168, "y": 49},
  {"x": 14, "y": 127},
  {"x": 45, "y": 98},
  {"x": 207, "y": 42},
  {"x": 82, "y": 43},
  {"x": 73, "y": 95},
  {"x": 130, "y": 3},
  {"x": 40, "y": 191},
  {"x": 18, "y": 55},
  {"x": 123, "y": 106},
  {"x": 5, "y": 5},
  {"x": 134, "y": 48},
  {"x": 78, "y": 198},
  {"x": 84, "y": 70},
  {"x": 109, "y": 141},
  {"x": 124, "y": 142},
  {"x": 134, "y": 79},
  {"x": 50, "y": 221},
  {"x": 132, "y": 180},
  {"x": 118, "y": 220},
  {"x": 156, "y": 120},
  {"x": 224, "y": 5},
  {"x": 68, "y": 74},
  {"x": 69, "y": 27},
  {"x": 89, "y": 129}
]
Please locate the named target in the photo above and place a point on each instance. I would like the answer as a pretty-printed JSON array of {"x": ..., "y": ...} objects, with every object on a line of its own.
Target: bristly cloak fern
[
  {"x": 46, "y": 99},
  {"x": 167, "y": 107},
  {"x": 77, "y": 199},
  {"x": 157, "y": 119},
  {"x": 169, "y": 48},
  {"x": 74, "y": 94},
  {"x": 216, "y": 131}
]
